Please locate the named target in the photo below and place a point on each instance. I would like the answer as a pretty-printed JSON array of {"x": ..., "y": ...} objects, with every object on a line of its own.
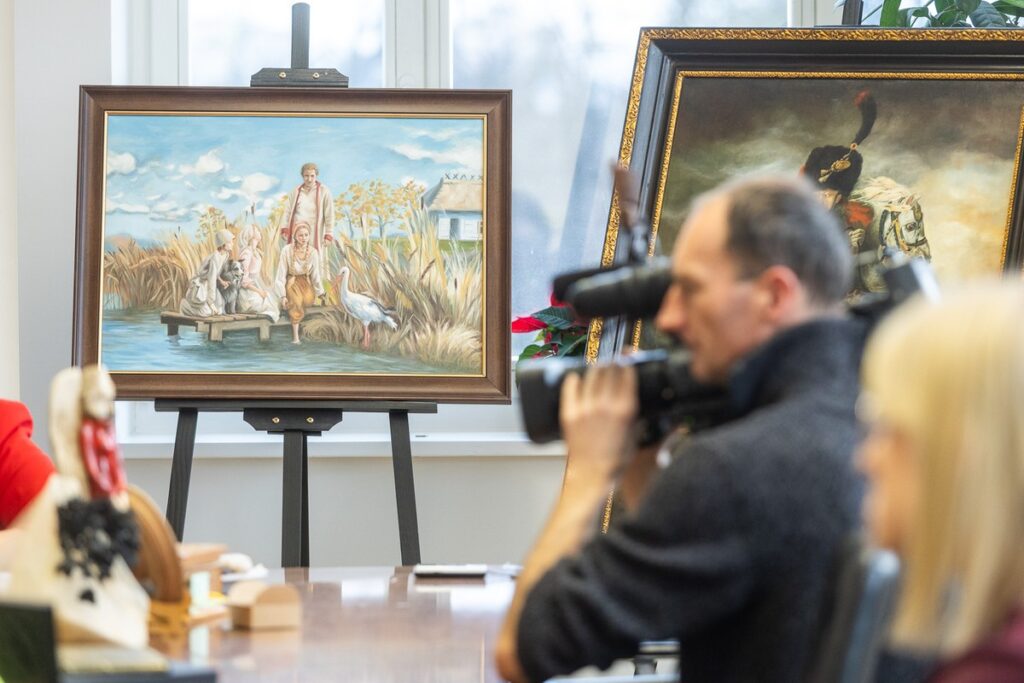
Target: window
[
  {"x": 569, "y": 64},
  {"x": 229, "y": 40}
]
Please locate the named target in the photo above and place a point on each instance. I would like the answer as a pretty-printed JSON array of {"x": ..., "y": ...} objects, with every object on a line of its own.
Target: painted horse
[{"x": 892, "y": 218}]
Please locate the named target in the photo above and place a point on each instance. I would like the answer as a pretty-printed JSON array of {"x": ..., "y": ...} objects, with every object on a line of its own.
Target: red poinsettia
[
  {"x": 559, "y": 332},
  {"x": 527, "y": 323}
]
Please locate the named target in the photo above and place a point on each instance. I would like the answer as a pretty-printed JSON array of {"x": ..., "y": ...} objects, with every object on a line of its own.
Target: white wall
[
  {"x": 58, "y": 45},
  {"x": 470, "y": 509},
  {"x": 8, "y": 212},
  {"x": 475, "y": 506}
]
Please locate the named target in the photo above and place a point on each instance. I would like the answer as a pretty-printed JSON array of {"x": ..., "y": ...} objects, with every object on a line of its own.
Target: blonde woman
[
  {"x": 254, "y": 296},
  {"x": 943, "y": 394},
  {"x": 298, "y": 282}
]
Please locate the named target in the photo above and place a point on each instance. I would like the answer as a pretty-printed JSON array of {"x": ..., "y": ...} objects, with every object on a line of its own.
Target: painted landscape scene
[{"x": 338, "y": 244}]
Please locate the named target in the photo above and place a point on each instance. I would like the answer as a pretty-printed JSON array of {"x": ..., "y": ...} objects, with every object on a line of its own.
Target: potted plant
[{"x": 950, "y": 14}]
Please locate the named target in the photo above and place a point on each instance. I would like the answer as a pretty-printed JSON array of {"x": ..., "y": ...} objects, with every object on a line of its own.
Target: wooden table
[{"x": 374, "y": 624}]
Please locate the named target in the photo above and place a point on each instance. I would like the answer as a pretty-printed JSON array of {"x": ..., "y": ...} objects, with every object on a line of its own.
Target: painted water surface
[
  {"x": 137, "y": 339},
  {"x": 377, "y": 222}
]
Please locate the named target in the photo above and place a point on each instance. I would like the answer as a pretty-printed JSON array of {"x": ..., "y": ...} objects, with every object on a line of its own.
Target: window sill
[{"x": 354, "y": 445}]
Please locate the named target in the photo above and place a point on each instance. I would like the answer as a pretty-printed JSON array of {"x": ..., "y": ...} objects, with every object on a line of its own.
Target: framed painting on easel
[{"x": 295, "y": 244}]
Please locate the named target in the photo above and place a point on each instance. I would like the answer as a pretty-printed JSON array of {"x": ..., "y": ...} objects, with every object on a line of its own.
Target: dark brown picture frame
[
  {"x": 667, "y": 56},
  {"x": 490, "y": 385}
]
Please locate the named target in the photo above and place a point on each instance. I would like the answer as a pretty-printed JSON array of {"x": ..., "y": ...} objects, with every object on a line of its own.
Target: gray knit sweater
[{"x": 732, "y": 550}]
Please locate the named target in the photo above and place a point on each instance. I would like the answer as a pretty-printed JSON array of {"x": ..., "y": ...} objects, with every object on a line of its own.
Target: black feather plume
[{"x": 868, "y": 111}]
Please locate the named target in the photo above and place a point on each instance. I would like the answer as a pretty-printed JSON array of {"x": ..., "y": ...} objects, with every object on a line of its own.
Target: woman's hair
[
  {"x": 950, "y": 378},
  {"x": 247, "y": 235}
]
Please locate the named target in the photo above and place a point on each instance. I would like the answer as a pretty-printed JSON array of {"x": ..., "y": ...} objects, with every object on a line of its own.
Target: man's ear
[{"x": 781, "y": 294}]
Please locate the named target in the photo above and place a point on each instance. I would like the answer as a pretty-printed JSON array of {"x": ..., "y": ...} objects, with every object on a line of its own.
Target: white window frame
[
  {"x": 417, "y": 44},
  {"x": 810, "y": 13}
]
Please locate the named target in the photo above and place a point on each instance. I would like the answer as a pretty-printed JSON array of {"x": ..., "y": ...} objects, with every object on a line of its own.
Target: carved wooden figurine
[{"x": 82, "y": 535}]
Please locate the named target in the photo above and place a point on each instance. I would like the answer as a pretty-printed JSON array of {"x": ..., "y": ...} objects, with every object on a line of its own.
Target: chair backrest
[{"x": 867, "y": 582}]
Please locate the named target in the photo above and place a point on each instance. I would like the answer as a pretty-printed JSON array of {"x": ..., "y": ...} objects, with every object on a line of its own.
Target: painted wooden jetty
[{"x": 215, "y": 326}]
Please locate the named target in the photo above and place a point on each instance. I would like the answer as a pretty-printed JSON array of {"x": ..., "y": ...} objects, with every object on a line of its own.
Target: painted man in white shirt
[{"x": 310, "y": 203}]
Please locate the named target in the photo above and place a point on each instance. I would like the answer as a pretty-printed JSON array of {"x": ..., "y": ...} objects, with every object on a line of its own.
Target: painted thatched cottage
[{"x": 455, "y": 207}]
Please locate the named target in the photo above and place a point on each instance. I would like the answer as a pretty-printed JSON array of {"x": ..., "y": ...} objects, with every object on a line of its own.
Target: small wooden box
[{"x": 254, "y": 605}]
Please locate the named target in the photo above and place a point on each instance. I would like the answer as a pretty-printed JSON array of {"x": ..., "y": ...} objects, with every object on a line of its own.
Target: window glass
[
  {"x": 871, "y": 11},
  {"x": 229, "y": 40},
  {"x": 569, "y": 64}
]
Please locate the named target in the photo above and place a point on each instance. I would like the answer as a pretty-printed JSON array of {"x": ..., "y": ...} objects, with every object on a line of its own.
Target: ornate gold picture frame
[{"x": 937, "y": 174}]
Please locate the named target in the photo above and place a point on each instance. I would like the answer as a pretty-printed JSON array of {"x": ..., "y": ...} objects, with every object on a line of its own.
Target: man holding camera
[{"x": 732, "y": 546}]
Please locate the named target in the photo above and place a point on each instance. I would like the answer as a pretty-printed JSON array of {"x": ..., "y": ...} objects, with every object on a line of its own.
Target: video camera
[{"x": 667, "y": 393}]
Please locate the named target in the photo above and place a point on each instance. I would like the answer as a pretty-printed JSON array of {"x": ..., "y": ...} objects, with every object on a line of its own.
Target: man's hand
[
  {"x": 598, "y": 413},
  {"x": 856, "y": 236}
]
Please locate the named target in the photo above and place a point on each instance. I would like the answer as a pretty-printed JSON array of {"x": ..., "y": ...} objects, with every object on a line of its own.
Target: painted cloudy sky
[
  {"x": 164, "y": 171},
  {"x": 950, "y": 142}
]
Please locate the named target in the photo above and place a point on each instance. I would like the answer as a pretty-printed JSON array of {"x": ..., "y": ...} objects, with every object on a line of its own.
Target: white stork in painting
[{"x": 363, "y": 308}]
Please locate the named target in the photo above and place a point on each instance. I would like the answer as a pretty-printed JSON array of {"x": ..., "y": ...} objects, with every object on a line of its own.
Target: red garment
[
  {"x": 101, "y": 458},
  {"x": 1000, "y": 659},
  {"x": 24, "y": 468}
]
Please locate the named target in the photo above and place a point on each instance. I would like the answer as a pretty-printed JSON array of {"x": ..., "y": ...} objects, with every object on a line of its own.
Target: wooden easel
[{"x": 298, "y": 420}]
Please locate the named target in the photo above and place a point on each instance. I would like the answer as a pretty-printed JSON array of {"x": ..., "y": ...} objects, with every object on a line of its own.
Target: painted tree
[
  {"x": 212, "y": 220},
  {"x": 382, "y": 205},
  {"x": 376, "y": 205},
  {"x": 359, "y": 207},
  {"x": 407, "y": 198},
  {"x": 344, "y": 209}
]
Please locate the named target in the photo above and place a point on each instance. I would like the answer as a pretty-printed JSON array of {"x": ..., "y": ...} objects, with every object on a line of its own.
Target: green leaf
[
  {"x": 944, "y": 5},
  {"x": 561, "y": 337},
  {"x": 561, "y": 311},
  {"x": 1004, "y": 7},
  {"x": 558, "y": 321},
  {"x": 920, "y": 12},
  {"x": 573, "y": 337},
  {"x": 1019, "y": 4},
  {"x": 904, "y": 20},
  {"x": 576, "y": 348},
  {"x": 530, "y": 351},
  {"x": 967, "y": 6},
  {"x": 890, "y": 13},
  {"x": 949, "y": 17}
]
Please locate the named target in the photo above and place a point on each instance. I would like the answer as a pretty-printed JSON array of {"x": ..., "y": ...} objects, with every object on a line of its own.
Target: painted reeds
[
  {"x": 434, "y": 287},
  {"x": 436, "y": 295}
]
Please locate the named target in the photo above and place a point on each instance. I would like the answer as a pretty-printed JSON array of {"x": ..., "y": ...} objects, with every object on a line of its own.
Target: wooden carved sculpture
[{"x": 82, "y": 536}]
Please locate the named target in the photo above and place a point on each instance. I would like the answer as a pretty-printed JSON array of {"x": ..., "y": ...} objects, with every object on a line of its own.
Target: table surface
[{"x": 379, "y": 624}]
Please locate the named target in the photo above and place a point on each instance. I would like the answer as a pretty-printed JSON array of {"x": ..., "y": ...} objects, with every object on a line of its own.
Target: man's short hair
[
  {"x": 309, "y": 166},
  {"x": 776, "y": 220}
]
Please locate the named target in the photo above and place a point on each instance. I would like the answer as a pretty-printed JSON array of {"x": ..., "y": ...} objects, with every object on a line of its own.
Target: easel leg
[
  {"x": 405, "y": 488},
  {"x": 294, "y": 525},
  {"x": 181, "y": 469},
  {"x": 305, "y": 500}
]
